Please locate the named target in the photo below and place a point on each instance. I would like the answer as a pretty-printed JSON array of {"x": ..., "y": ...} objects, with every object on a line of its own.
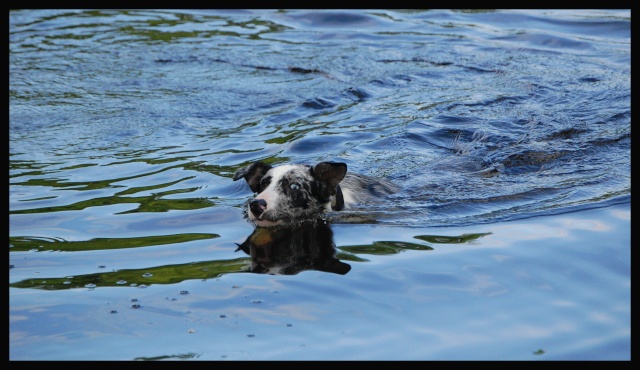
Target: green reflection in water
[
  {"x": 149, "y": 203},
  {"x": 161, "y": 31},
  {"x": 186, "y": 356},
  {"x": 170, "y": 274},
  {"x": 439, "y": 239},
  {"x": 394, "y": 247},
  {"x": 349, "y": 257},
  {"x": 26, "y": 243},
  {"x": 385, "y": 247}
]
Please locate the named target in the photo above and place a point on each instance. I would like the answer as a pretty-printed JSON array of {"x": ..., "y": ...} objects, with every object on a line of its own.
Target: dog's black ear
[
  {"x": 253, "y": 173},
  {"x": 330, "y": 173}
]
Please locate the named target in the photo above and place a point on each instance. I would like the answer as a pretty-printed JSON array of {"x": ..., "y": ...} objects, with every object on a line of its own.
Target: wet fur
[{"x": 288, "y": 194}]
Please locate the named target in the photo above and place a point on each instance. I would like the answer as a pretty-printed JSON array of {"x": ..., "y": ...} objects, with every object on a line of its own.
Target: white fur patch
[{"x": 271, "y": 195}]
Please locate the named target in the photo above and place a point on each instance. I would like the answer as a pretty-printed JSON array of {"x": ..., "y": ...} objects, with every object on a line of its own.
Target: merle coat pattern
[{"x": 293, "y": 193}]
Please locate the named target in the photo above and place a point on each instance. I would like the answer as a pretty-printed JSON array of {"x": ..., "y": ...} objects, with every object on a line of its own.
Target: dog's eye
[{"x": 294, "y": 186}]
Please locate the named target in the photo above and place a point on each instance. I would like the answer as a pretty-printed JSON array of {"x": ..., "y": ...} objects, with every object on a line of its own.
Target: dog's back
[{"x": 359, "y": 189}]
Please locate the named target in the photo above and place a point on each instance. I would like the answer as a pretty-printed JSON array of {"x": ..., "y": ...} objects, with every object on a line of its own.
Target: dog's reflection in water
[{"x": 288, "y": 251}]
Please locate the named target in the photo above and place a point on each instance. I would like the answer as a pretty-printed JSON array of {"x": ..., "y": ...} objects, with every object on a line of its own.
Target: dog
[{"x": 294, "y": 193}]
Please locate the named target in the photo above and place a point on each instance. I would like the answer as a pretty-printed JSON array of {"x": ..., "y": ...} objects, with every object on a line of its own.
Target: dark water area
[{"x": 508, "y": 132}]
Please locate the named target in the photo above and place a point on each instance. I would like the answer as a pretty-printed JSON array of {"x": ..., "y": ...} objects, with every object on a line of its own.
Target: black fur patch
[
  {"x": 266, "y": 181},
  {"x": 295, "y": 192},
  {"x": 253, "y": 174}
]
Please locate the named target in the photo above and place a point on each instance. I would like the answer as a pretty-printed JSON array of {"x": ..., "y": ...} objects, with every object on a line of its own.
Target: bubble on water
[
  {"x": 147, "y": 274},
  {"x": 90, "y": 286},
  {"x": 121, "y": 282}
]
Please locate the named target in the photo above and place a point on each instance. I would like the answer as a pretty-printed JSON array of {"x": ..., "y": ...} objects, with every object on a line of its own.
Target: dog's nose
[{"x": 257, "y": 206}]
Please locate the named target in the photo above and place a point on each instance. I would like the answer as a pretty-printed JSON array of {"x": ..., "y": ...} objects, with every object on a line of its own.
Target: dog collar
[{"x": 338, "y": 201}]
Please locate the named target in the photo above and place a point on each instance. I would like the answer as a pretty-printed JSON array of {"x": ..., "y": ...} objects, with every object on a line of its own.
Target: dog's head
[{"x": 292, "y": 193}]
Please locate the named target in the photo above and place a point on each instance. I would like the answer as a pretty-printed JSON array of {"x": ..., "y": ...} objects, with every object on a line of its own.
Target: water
[{"x": 509, "y": 132}]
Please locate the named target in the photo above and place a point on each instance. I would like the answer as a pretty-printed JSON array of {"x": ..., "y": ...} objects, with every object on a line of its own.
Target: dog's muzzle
[{"x": 257, "y": 206}]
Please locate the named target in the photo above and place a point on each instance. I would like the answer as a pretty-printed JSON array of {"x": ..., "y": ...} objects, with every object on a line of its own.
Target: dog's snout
[{"x": 257, "y": 206}]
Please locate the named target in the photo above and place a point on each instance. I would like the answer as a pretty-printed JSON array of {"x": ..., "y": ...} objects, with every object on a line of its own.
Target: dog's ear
[
  {"x": 253, "y": 173},
  {"x": 330, "y": 173}
]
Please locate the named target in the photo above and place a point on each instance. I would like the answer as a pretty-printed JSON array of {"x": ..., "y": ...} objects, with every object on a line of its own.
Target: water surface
[{"x": 508, "y": 131}]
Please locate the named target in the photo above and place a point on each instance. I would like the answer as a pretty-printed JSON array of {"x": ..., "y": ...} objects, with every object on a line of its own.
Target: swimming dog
[{"x": 293, "y": 193}]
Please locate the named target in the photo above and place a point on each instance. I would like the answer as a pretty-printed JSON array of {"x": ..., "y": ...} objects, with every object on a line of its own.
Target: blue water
[{"x": 508, "y": 131}]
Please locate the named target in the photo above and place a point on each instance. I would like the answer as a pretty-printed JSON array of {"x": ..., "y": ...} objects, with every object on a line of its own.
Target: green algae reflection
[
  {"x": 169, "y": 274},
  {"x": 172, "y": 274},
  {"x": 28, "y": 243},
  {"x": 440, "y": 239},
  {"x": 394, "y": 247}
]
